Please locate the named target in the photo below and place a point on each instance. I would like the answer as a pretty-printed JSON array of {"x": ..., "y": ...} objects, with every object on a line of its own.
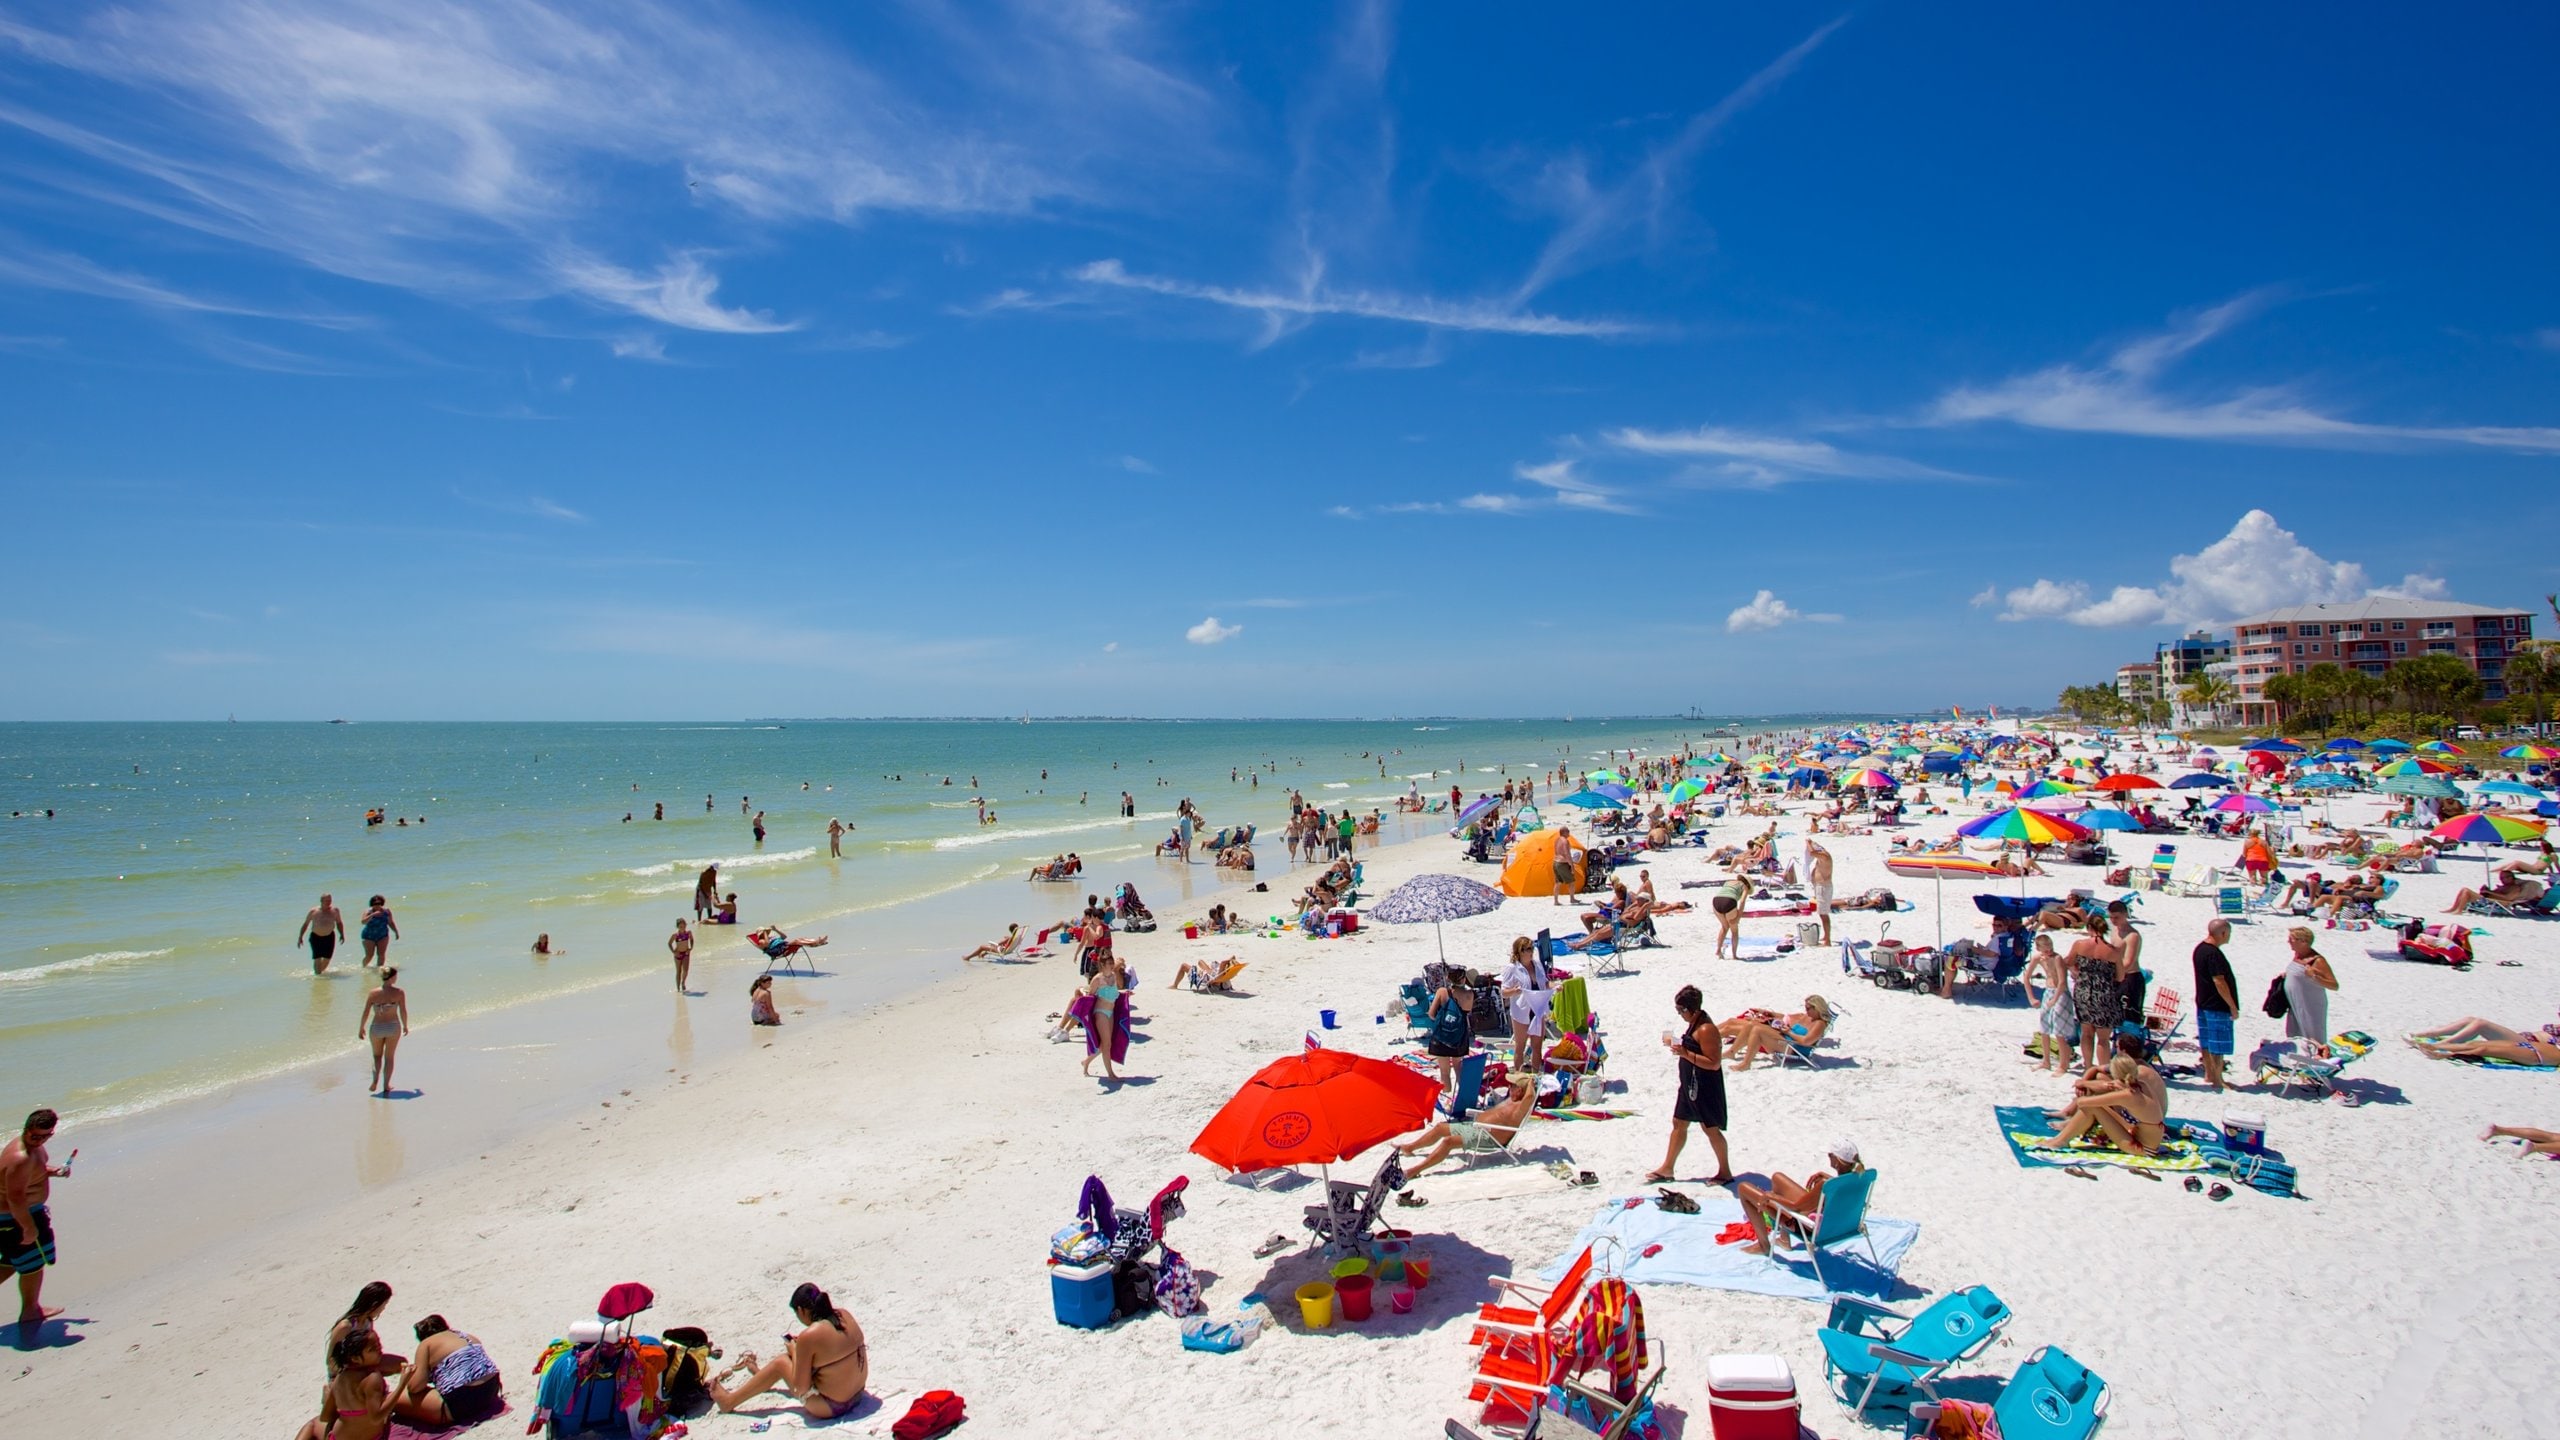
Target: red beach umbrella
[
  {"x": 1315, "y": 1108},
  {"x": 2127, "y": 782}
]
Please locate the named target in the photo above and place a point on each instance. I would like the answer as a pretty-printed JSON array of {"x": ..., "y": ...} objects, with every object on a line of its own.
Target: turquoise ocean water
[{"x": 148, "y": 948}]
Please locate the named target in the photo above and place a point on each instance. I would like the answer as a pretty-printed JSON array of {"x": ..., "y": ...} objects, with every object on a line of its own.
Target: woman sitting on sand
[
  {"x": 1755, "y": 1033},
  {"x": 1759, "y": 1206},
  {"x": 1494, "y": 1128},
  {"x": 826, "y": 1365},
  {"x": 359, "y": 1398},
  {"x": 451, "y": 1380},
  {"x": 2472, "y": 1038},
  {"x": 2130, "y": 1110}
]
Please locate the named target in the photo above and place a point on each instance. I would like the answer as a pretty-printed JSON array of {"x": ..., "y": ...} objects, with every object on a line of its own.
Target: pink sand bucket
[{"x": 1401, "y": 1301}]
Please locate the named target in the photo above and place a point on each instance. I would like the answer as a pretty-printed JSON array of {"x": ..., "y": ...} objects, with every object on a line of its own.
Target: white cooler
[{"x": 1752, "y": 1397}]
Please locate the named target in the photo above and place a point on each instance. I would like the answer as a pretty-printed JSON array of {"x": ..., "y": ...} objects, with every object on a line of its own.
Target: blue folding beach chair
[
  {"x": 1470, "y": 1085},
  {"x": 1841, "y": 1218},
  {"x": 1882, "y": 1354},
  {"x": 2052, "y": 1397}
]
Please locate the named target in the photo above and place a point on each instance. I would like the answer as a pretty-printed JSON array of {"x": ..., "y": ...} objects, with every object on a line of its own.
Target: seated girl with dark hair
[{"x": 826, "y": 1365}]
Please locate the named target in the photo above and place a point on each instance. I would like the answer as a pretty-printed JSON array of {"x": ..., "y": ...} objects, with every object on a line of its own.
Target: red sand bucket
[
  {"x": 1417, "y": 1271},
  {"x": 1352, "y": 1291},
  {"x": 1401, "y": 1301},
  {"x": 1190, "y": 932}
]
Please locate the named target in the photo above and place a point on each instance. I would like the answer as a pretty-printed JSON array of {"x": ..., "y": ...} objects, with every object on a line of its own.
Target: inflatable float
[{"x": 1923, "y": 866}]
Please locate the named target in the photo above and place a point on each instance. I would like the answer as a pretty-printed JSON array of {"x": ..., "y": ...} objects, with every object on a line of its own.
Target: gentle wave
[
  {"x": 1337, "y": 785},
  {"x": 726, "y": 862},
  {"x": 84, "y": 962},
  {"x": 1000, "y": 834}
]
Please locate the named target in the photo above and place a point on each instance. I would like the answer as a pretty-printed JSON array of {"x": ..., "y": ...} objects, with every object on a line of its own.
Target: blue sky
[{"x": 450, "y": 358}]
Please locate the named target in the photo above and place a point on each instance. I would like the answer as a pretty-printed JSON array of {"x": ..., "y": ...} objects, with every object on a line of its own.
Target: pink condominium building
[{"x": 2371, "y": 636}]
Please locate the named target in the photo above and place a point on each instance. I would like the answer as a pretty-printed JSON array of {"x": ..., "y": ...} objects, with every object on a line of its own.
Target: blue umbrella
[
  {"x": 1940, "y": 764},
  {"x": 1476, "y": 807},
  {"x": 2344, "y": 742},
  {"x": 1434, "y": 898},
  {"x": 1614, "y": 792},
  {"x": 2199, "y": 781},
  {"x": 2274, "y": 746},
  {"x": 2324, "y": 781},
  {"x": 1585, "y": 800},
  {"x": 2390, "y": 746},
  {"x": 2507, "y": 787},
  {"x": 2103, "y": 818}
]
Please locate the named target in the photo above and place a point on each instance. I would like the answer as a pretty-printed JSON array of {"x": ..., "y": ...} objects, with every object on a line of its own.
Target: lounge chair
[
  {"x": 2051, "y": 1397},
  {"x": 1841, "y": 1218},
  {"x": 1882, "y": 1354},
  {"x": 1791, "y": 1053},
  {"x": 2231, "y": 902},
  {"x": 1470, "y": 1085},
  {"x": 1540, "y": 1309},
  {"x": 2197, "y": 882}
]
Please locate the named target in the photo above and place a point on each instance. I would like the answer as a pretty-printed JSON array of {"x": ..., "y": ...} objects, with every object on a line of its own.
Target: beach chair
[
  {"x": 2164, "y": 864},
  {"x": 2231, "y": 903},
  {"x": 1223, "y": 982},
  {"x": 1349, "y": 1214},
  {"x": 2197, "y": 882},
  {"x": 1537, "y": 1311},
  {"x": 1882, "y": 1354},
  {"x": 2162, "y": 1022},
  {"x": 2051, "y": 1397},
  {"x": 1605, "y": 958},
  {"x": 1470, "y": 1085},
  {"x": 1618, "y": 1417},
  {"x": 1795, "y": 1054},
  {"x": 1841, "y": 1218},
  {"x": 2287, "y": 1065}
]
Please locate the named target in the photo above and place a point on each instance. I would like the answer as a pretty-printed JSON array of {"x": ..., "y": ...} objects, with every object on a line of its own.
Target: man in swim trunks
[
  {"x": 26, "y": 1225},
  {"x": 321, "y": 925}
]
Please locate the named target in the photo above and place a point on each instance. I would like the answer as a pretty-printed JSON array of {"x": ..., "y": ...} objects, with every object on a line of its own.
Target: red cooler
[{"x": 1751, "y": 1397}]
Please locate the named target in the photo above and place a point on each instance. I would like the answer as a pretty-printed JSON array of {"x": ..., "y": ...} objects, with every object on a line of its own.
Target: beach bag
[
  {"x": 1177, "y": 1289},
  {"x": 1808, "y": 932},
  {"x": 2276, "y": 1006},
  {"x": 1133, "y": 1288},
  {"x": 934, "y": 1412}
]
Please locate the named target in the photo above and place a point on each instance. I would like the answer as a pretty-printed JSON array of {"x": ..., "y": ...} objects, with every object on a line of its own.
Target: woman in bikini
[
  {"x": 1753, "y": 1036},
  {"x": 359, "y": 1398},
  {"x": 451, "y": 1380},
  {"x": 1108, "y": 987},
  {"x": 385, "y": 1020},
  {"x": 826, "y": 1365},
  {"x": 2472, "y": 1038}
]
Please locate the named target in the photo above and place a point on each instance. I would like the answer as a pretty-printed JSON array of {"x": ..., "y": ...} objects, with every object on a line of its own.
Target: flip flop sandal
[
  {"x": 1272, "y": 1246},
  {"x": 1411, "y": 1201},
  {"x": 2145, "y": 1174},
  {"x": 2083, "y": 1171},
  {"x": 1583, "y": 1180},
  {"x": 2218, "y": 1192},
  {"x": 2194, "y": 1186}
]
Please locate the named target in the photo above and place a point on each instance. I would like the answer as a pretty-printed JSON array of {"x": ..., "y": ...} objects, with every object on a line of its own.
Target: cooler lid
[{"x": 1759, "y": 1374}]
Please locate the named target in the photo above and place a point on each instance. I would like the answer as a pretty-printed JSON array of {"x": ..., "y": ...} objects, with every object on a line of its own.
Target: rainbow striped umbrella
[
  {"x": 2017, "y": 822},
  {"x": 2044, "y": 789},
  {"x": 2530, "y": 752},
  {"x": 2441, "y": 747},
  {"x": 1868, "y": 778},
  {"x": 2485, "y": 828},
  {"x": 2413, "y": 765}
]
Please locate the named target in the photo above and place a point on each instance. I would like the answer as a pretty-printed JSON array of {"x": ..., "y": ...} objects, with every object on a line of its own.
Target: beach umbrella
[
  {"x": 1614, "y": 791},
  {"x": 1686, "y": 790},
  {"x": 2273, "y": 746},
  {"x": 1315, "y": 1108},
  {"x": 1476, "y": 809},
  {"x": 2241, "y": 803},
  {"x": 2484, "y": 830},
  {"x": 2344, "y": 742},
  {"x": 2389, "y": 746},
  {"x": 1605, "y": 777},
  {"x": 2118, "y": 784},
  {"x": 2413, "y": 765},
  {"x": 2104, "y": 818},
  {"x": 1585, "y": 800},
  {"x": 2506, "y": 787},
  {"x": 2442, "y": 747},
  {"x": 2530, "y": 752},
  {"x": 1868, "y": 778},
  {"x": 2019, "y": 822},
  {"x": 2425, "y": 787},
  {"x": 2324, "y": 781},
  {"x": 2059, "y": 804},
  {"x": 2045, "y": 788},
  {"x": 1434, "y": 898}
]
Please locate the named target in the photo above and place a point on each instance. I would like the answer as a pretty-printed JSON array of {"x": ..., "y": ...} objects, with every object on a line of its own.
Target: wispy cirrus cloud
[
  {"x": 1756, "y": 460},
  {"x": 1598, "y": 218},
  {"x": 678, "y": 294},
  {"x": 2124, "y": 394},
  {"x": 1316, "y": 298},
  {"x": 454, "y": 147}
]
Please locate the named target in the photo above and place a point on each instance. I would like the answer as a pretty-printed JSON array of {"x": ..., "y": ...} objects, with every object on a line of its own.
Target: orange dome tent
[{"x": 1531, "y": 870}]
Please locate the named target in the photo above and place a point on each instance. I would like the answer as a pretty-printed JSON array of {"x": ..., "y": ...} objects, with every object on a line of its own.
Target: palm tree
[{"x": 2207, "y": 692}]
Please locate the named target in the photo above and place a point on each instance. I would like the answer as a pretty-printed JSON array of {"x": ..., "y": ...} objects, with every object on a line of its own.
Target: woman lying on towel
[
  {"x": 2472, "y": 1038},
  {"x": 2536, "y": 1142},
  {"x": 1759, "y": 1211},
  {"x": 1755, "y": 1033},
  {"x": 1494, "y": 1128}
]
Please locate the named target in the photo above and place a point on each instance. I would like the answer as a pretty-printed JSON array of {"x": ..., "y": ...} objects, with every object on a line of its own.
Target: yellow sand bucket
[{"x": 1315, "y": 1303}]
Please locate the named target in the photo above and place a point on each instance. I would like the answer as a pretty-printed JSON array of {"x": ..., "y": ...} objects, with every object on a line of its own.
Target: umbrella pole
[{"x": 1940, "y": 878}]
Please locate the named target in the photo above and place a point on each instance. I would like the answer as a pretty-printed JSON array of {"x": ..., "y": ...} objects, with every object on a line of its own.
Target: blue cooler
[{"x": 1081, "y": 1294}]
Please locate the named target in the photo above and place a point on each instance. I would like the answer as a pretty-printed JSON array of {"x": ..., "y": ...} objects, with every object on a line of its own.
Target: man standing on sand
[
  {"x": 321, "y": 925},
  {"x": 26, "y": 1229},
  {"x": 1568, "y": 866},
  {"x": 1817, "y": 878},
  {"x": 680, "y": 945},
  {"x": 2217, "y": 1000}
]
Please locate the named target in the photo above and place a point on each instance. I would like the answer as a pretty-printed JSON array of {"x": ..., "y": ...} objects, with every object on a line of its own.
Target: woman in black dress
[{"x": 1699, "y": 1049}]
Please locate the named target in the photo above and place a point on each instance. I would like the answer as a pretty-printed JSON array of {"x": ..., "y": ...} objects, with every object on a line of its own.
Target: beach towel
[
  {"x": 2022, "y": 1124},
  {"x": 1571, "y": 1009},
  {"x": 1648, "y": 1245},
  {"x": 404, "y": 1430},
  {"x": 1588, "y": 1113}
]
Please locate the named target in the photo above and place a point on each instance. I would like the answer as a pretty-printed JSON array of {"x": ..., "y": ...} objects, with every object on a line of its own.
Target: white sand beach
[{"x": 914, "y": 1160}]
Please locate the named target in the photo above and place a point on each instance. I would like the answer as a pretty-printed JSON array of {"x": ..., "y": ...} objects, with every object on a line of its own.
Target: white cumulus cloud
[
  {"x": 1210, "y": 632},
  {"x": 2259, "y": 566},
  {"x": 1767, "y": 612}
]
